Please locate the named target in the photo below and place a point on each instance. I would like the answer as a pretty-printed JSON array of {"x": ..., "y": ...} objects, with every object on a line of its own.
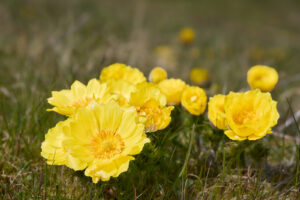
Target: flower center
[
  {"x": 107, "y": 144},
  {"x": 82, "y": 102},
  {"x": 245, "y": 117}
]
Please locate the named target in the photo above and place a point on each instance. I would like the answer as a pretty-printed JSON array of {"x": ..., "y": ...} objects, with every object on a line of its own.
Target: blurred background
[
  {"x": 47, "y": 45},
  {"x": 56, "y": 42}
]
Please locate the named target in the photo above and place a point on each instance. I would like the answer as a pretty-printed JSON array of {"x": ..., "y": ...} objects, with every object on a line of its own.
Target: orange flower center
[
  {"x": 82, "y": 102},
  {"x": 107, "y": 144},
  {"x": 245, "y": 116}
]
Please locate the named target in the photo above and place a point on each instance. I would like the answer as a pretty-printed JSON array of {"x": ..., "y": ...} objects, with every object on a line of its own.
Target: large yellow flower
[
  {"x": 150, "y": 104},
  {"x": 250, "y": 115},
  {"x": 122, "y": 89},
  {"x": 262, "y": 77},
  {"x": 120, "y": 71},
  {"x": 99, "y": 139},
  {"x": 66, "y": 102},
  {"x": 199, "y": 76},
  {"x": 216, "y": 111},
  {"x": 194, "y": 100},
  {"x": 157, "y": 74},
  {"x": 187, "y": 35},
  {"x": 172, "y": 89}
]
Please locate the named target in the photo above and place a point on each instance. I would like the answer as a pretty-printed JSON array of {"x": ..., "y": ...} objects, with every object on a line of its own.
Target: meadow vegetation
[{"x": 47, "y": 45}]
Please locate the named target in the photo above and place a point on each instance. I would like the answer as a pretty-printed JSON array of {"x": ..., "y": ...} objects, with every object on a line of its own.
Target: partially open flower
[
  {"x": 194, "y": 100},
  {"x": 250, "y": 115},
  {"x": 157, "y": 74},
  {"x": 121, "y": 89},
  {"x": 262, "y": 77},
  {"x": 172, "y": 89},
  {"x": 187, "y": 35},
  {"x": 120, "y": 71},
  {"x": 150, "y": 104},
  {"x": 216, "y": 111}
]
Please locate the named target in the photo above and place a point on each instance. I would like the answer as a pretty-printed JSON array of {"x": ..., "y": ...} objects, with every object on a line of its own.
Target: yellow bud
[
  {"x": 199, "y": 76},
  {"x": 194, "y": 100},
  {"x": 157, "y": 74},
  {"x": 262, "y": 77},
  {"x": 187, "y": 35}
]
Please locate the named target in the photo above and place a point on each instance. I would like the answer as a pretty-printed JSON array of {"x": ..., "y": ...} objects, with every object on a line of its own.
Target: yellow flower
[
  {"x": 194, "y": 100},
  {"x": 66, "y": 102},
  {"x": 262, "y": 77},
  {"x": 119, "y": 71},
  {"x": 199, "y": 76},
  {"x": 101, "y": 140},
  {"x": 250, "y": 115},
  {"x": 53, "y": 150},
  {"x": 172, "y": 89},
  {"x": 122, "y": 89},
  {"x": 150, "y": 104},
  {"x": 216, "y": 112},
  {"x": 157, "y": 74},
  {"x": 187, "y": 35},
  {"x": 165, "y": 56}
]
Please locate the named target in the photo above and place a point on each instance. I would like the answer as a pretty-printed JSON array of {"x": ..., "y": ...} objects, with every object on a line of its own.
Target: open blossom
[
  {"x": 194, "y": 100},
  {"x": 150, "y": 104},
  {"x": 100, "y": 140},
  {"x": 216, "y": 111},
  {"x": 120, "y": 71},
  {"x": 157, "y": 74},
  {"x": 66, "y": 102},
  {"x": 262, "y": 77},
  {"x": 172, "y": 89},
  {"x": 187, "y": 35},
  {"x": 250, "y": 115}
]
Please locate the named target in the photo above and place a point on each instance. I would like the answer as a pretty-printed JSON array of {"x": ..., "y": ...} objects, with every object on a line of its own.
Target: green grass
[{"x": 46, "y": 45}]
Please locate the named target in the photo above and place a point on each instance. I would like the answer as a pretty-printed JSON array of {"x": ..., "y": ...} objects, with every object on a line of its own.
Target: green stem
[{"x": 188, "y": 152}]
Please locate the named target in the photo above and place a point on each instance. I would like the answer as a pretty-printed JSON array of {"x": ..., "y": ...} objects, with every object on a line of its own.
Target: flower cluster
[
  {"x": 107, "y": 122},
  {"x": 247, "y": 115},
  {"x": 108, "y": 119}
]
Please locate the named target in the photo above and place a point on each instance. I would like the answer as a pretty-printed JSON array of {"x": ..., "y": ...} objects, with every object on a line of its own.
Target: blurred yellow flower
[
  {"x": 262, "y": 77},
  {"x": 172, "y": 89},
  {"x": 66, "y": 102},
  {"x": 100, "y": 140},
  {"x": 216, "y": 112},
  {"x": 165, "y": 56},
  {"x": 157, "y": 74},
  {"x": 250, "y": 115},
  {"x": 187, "y": 35},
  {"x": 194, "y": 100},
  {"x": 150, "y": 104},
  {"x": 120, "y": 71},
  {"x": 199, "y": 76}
]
